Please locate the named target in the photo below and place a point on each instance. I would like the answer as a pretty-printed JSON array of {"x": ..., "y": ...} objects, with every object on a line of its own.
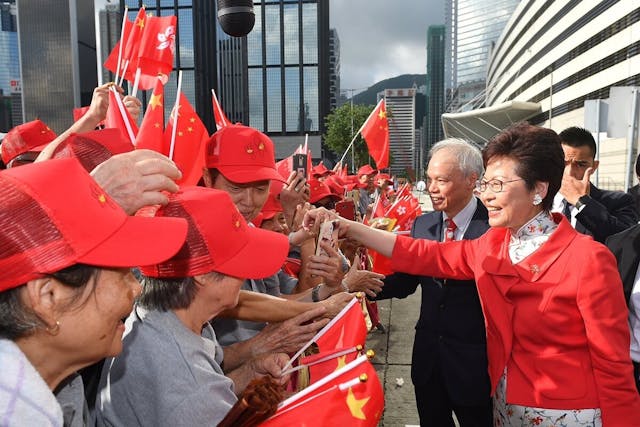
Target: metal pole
[
  {"x": 597, "y": 180},
  {"x": 631, "y": 139},
  {"x": 353, "y": 151}
]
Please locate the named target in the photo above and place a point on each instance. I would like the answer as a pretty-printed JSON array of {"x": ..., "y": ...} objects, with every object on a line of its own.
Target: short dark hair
[
  {"x": 164, "y": 294},
  {"x": 537, "y": 152},
  {"x": 578, "y": 137},
  {"x": 18, "y": 320}
]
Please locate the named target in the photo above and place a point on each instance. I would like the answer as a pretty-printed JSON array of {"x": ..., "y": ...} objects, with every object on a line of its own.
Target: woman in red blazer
[{"x": 556, "y": 319}]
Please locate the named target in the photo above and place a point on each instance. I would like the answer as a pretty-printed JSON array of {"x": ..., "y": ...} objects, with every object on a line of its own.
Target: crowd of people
[{"x": 128, "y": 300}]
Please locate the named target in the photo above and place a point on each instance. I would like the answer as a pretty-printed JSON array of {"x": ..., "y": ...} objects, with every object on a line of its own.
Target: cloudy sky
[{"x": 381, "y": 39}]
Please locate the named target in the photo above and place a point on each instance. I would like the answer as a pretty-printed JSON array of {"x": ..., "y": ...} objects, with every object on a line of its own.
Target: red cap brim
[
  {"x": 140, "y": 241},
  {"x": 244, "y": 174},
  {"x": 262, "y": 256}
]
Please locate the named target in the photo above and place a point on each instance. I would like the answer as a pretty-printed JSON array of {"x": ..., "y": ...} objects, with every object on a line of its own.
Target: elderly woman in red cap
[
  {"x": 65, "y": 285},
  {"x": 173, "y": 371}
]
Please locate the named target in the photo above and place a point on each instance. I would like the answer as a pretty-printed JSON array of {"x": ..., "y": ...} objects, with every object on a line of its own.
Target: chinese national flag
[
  {"x": 155, "y": 56},
  {"x": 352, "y": 396},
  {"x": 191, "y": 136},
  {"x": 111, "y": 62},
  {"x": 375, "y": 132},
  {"x": 218, "y": 114},
  {"x": 131, "y": 39},
  {"x": 119, "y": 118},
  {"x": 150, "y": 135}
]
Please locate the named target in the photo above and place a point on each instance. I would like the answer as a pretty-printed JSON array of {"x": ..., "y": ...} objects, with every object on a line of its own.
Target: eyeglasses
[{"x": 495, "y": 185}]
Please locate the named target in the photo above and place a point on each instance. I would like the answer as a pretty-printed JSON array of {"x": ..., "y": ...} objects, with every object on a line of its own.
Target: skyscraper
[
  {"x": 472, "y": 28},
  {"x": 334, "y": 69},
  {"x": 10, "y": 87},
  {"x": 435, "y": 83},
  {"x": 401, "y": 110}
]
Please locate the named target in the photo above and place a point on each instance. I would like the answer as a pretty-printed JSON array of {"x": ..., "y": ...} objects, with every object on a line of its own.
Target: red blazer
[{"x": 557, "y": 320}]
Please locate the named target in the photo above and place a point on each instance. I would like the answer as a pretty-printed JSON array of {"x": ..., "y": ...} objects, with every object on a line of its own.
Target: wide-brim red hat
[
  {"x": 219, "y": 239},
  {"x": 242, "y": 154},
  {"x": 54, "y": 215}
]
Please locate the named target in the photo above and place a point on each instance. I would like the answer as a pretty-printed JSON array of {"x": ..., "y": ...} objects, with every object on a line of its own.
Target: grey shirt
[
  {"x": 165, "y": 376},
  {"x": 231, "y": 331}
]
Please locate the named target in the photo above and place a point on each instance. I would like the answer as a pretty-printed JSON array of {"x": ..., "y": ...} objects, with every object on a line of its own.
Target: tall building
[
  {"x": 435, "y": 84},
  {"x": 10, "y": 87},
  {"x": 473, "y": 27},
  {"x": 57, "y": 59},
  {"x": 334, "y": 69},
  {"x": 566, "y": 57},
  {"x": 401, "y": 110}
]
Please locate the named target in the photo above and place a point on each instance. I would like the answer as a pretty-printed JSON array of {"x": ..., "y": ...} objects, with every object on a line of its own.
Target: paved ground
[{"x": 393, "y": 358}]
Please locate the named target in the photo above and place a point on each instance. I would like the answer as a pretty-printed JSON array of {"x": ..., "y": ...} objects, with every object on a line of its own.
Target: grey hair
[
  {"x": 468, "y": 154},
  {"x": 164, "y": 294}
]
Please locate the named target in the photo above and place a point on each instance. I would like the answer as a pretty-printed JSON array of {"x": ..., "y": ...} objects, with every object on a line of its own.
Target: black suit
[
  {"x": 609, "y": 212},
  {"x": 449, "y": 363},
  {"x": 626, "y": 248}
]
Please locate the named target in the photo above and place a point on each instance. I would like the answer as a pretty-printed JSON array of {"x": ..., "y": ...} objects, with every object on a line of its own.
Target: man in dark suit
[
  {"x": 635, "y": 190},
  {"x": 595, "y": 212},
  {"x": 626, "y": 248},
  {"x": 449, "y": 364}
]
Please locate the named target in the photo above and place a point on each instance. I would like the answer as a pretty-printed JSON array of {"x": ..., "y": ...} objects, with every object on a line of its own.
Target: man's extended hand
[{"x": 571, "y": 188}]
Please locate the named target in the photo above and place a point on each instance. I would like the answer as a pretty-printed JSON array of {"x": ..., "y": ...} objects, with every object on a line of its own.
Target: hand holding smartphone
[
  {"x": 300, "y": 164},
  {"x": 328, "y": 234}
]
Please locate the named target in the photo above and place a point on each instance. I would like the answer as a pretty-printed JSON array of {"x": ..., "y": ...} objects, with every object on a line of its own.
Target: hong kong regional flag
[
  {"x": 375, "y": 132},
  {"x": 157, "y": 46}
]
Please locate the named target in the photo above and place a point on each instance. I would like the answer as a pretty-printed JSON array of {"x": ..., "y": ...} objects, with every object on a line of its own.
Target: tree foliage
[{"x": 340, "y": 130}]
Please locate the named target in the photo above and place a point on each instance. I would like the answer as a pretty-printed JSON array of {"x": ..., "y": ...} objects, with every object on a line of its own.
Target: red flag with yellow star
[
  {"x": 351, "y": 396},
  {"x": 375, "y": 132},
  {"x": 118, "y": 117},
  {"x": 191, "y": 136},
  {"x": 150, "y": 134}
]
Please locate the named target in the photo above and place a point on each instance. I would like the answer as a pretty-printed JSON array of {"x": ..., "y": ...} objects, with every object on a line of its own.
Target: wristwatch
[{"x": 582, "y": 201}]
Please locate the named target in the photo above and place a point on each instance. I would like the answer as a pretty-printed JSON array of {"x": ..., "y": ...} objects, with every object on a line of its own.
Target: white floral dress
[{"x": 526, "y": 241}]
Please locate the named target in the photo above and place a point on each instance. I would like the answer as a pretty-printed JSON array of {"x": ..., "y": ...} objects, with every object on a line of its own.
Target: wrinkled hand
[
  {"x": 133, "y": 106},
  {"x": 316, "y": 216},
  {"x": 328, "y": 266},
  {"x": 572, "y": 189},
  {"x": 362, "y": 280},
  {"x": 335, "y": 303},
  {"x": 100, "y": 103},
  {"x": 295, "y": 192},
  {"x": 271, "y": 364},
  {"x": 289, "y": 336},
  {"x": 137, "y": 179}
]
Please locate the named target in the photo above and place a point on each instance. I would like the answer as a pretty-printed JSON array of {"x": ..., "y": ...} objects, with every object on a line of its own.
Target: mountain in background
[{"x": 405, "y": 81}]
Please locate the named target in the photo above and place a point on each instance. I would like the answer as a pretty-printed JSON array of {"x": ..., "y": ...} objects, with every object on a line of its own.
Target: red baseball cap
[
  {"x": 272, "y": 206},
  {"x": 366, "y": 170},
  {"x": 30, "y": 136},
  {"x": 242, "y": 154},
  {"x": 320, "y": 170},
  {"x": 384, "y": 176},
  {"x": 54, "y": 215},
  {"x": 219, "y": 239},
  {"x": 93, "y": 148},
  {"x": 320, "y": 190},
  {"x": 339, "y": 185}
]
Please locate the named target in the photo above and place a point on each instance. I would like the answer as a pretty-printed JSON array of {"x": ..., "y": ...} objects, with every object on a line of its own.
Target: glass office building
[
  {"x": 473, "y": 27},
  {"x": 10, "y": 85}
]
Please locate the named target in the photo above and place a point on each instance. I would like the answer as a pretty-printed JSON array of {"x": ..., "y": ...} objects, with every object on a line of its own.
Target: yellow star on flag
[
  {"x": 342, "y": 361},
  {"x": 382, "y": 114},
  {"x": 190, "y": 129},
  {"x": 140, "y": 23},
  {"x": 356, "y": 405},
  {"x": 192, "y": 119},
  {"x": 156, "y": 101},
  {"x": 180, "y": 133}
]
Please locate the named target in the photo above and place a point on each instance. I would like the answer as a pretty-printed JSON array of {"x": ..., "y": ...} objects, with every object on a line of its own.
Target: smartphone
[
  {"x": 300, "y": 164},
  {"x": 346, "y": 209},
  {"x": 328, "y": 233}
]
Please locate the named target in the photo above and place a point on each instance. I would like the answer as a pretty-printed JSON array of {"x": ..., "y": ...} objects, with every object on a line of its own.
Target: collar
[
  {"x": 540, "y": 225},
  {"x": 463, "y": 218}
]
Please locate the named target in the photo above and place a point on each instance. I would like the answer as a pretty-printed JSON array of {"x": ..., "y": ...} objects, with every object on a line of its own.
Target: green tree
[{"x": 339, "y": 132}]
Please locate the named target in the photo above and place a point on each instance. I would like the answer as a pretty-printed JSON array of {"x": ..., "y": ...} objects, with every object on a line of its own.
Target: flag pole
[
  {"x": 124, "y": 19},
  {"x": 175, "y": 116},
  {"x": 360, "y": 130},
  {"x": 215, "y": 99},
  {"x": 124, "y": 71},
  {"x": 134, "y": 91}
]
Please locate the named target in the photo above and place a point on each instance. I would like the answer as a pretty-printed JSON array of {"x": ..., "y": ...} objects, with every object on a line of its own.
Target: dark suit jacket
[
  {"x": 626, "y": 248},
  {"x": 609, "y": 212},
  {"x": 450, "y": 333}
]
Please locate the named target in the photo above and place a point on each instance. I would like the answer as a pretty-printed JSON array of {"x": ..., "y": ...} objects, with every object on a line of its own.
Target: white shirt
[
  {"x": 558, "y": 206},
  {"x": 462, "y": 219},
  {"x": 634, "y": 317}
]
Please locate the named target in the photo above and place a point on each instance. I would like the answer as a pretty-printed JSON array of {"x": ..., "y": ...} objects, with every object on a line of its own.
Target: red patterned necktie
[{"x": 449, "y": 232}]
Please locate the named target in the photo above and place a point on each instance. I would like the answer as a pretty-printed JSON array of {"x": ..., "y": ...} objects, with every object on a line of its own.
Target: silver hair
[
  {"x": 468, "y": 154},
  {"x": 164, "y": 294}
]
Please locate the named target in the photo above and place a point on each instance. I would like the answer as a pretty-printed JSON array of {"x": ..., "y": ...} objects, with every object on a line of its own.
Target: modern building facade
[
  {"x": 563, "y": 54},
  {"x": 10, "y": 84},
  {"x": 435, "y": 84},
  {"x": 334, "y": 69},
  {"x": 401, "y": 105},
  {"x": 472, "y": 28}
]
